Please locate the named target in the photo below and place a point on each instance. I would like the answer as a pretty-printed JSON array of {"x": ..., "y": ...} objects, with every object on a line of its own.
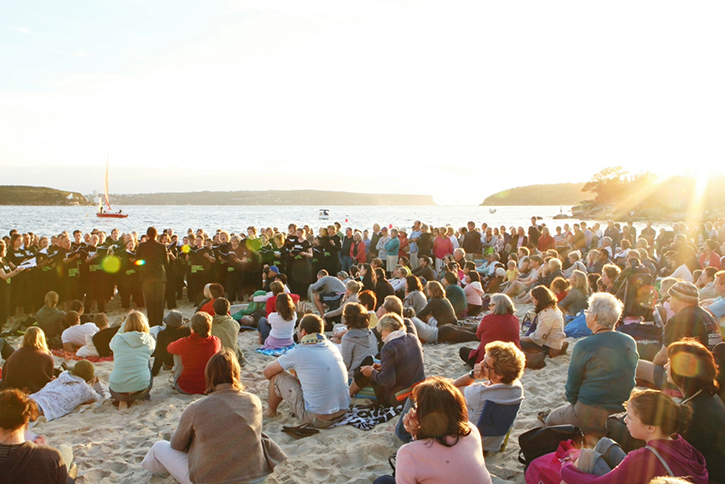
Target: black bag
[{"x": 545, "y": 440}]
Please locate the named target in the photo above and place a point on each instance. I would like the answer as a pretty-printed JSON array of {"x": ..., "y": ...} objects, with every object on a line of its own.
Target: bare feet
[{"x": 270, "y": 414}]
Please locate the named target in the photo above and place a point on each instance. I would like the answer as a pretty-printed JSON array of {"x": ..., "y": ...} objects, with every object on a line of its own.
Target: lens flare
[
  {"x": 186, "y": 248},
  {"x": 111, "y": 264},
  {"x": 140, "y": 262}
]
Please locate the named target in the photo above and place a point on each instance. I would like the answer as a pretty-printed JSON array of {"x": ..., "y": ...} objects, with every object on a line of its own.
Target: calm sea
[{"x": 52, "y": 220}]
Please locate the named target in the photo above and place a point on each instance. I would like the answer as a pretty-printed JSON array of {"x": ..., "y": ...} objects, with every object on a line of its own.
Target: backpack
[{"x": 545, "y": 440}]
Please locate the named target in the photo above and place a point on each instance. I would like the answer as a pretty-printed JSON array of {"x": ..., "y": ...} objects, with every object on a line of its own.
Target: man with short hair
[
  {"x": 345, "y": 257},
  {"x": 690, "y": 321},
  {"x": 225, "y": 328},
  {"x": 152, "y": 274},
  {"x": 191, "y": 354},
  {"x": 319, "y": 394},
  {"x": 424, "y": 269},
  {"x": 352, "y": 289},
  {"x": 472, "y": 241},
  {"x": 328, "y": 290}
]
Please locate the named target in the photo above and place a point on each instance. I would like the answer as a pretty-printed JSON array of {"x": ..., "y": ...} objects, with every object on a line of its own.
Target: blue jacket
[{"x": 131, "y": 356}]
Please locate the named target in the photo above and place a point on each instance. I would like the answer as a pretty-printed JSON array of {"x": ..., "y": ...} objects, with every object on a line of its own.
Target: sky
[{"x": 454, "y": 99}]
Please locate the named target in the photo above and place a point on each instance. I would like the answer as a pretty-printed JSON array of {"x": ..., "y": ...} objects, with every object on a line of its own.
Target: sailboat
[{"x": 109, "y": 213}]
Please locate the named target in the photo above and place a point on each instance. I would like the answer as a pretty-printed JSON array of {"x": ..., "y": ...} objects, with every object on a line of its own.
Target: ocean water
[{"x": 53, "y": 220}]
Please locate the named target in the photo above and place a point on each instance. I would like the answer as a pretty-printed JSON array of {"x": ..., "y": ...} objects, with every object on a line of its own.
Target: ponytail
[{"x": 655, "y": 408}]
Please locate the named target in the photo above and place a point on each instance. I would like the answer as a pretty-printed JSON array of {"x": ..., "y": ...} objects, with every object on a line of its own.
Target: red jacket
[
  {"x": 496, "y": 327},
  {"x": 361, "y": 257},
  {"x": 271, "y": 304},
  {"x": 545, "y": 243},
  {"x": 195, "y": 352}
]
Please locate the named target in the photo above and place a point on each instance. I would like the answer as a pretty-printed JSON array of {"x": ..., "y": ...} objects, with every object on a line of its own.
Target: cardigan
[{"x": 223, "y": 436}]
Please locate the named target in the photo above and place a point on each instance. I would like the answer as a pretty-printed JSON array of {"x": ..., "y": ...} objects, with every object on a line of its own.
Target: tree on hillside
[{"x": 608, "y": 185}]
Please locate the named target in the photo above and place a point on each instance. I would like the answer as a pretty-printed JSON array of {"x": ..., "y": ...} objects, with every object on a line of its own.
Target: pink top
[{"x": 428, "y": 462}]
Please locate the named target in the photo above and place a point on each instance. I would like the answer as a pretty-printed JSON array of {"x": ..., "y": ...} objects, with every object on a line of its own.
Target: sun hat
[{"x": 173, "y": 319}]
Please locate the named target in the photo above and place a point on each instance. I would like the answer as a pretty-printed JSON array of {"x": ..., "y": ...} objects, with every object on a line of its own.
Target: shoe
[{"x": 542, "y": 416}]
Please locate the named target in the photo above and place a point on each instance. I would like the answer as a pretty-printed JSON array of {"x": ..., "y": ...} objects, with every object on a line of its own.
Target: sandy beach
[{"x": 109, "y": 445}]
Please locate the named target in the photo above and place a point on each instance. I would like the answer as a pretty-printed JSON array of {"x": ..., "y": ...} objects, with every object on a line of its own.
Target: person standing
[{"x": 152, "y": 274}]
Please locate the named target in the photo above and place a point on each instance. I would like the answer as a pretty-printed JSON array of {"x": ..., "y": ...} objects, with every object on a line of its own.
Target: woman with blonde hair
[
  {"x": 132, "y": 347},
  {"x": 577, "y": 298},
  {"x": 30, "y": 367},
  {"x": 219, "y": 438}
]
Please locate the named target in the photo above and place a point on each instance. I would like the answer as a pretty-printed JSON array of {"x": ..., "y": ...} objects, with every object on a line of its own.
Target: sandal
[
  {"x": 542, "y": 416},
  {"x": 301, "y": 431}
]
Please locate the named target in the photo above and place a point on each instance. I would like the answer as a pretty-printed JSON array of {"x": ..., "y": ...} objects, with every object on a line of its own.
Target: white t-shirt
[
  {"x": 281, "y": 329},
  {"x": 322, "y": 375},
  {"x": 76, "y": 335}
]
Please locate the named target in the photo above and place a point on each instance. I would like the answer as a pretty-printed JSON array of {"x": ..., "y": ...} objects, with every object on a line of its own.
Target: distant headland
[
  {"x": 27, "y": 195},
  {"x": 566, "y": 194}
]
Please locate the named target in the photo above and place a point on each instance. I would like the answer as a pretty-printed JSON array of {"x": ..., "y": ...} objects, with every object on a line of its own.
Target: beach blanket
[
  {"x": 72, "y": 356},
  {"x": 366, "y": 417},
  {"x": 275, "y": 352}
]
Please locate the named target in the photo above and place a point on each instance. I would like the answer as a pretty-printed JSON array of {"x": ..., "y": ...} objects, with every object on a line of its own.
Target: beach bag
[
  {"x": 547, "y": 468},
  {"x": 545, "y": 440},
  {"x": 649, "y": 338},
  {"x": 577, "y": 327}
]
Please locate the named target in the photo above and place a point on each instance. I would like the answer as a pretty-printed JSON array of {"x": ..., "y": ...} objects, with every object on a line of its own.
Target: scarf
[
  {"x": 395, "y": 335},
  {"x": 313, "y": 339}
]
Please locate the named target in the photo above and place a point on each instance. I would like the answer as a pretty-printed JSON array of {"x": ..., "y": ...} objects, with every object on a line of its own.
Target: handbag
[
  {"x": 547, "y": 468},
  {"x": 545, "y": 440}
]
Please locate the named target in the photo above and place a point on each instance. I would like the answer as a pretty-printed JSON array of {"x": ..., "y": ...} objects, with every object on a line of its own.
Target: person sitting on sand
[
  {"x": 278, "y": 329},
  {"x": 656, "y": 419},
  {"x": 132, "y": 348},
  {"x": 192, "y": 353},
  {"x": 601, "y": 370},
  {"x": 692, "y": 368},
  {"x": 327, "y": 291},
  {"x": 219, "y": 438},
  {"x": 577, "y": 299},
  {"x": 49, "y": 317},
  {"x": 212, "y": 292},
  {"x": 401, "y": 363},
  {"x": 175, "y": 329},
  {"x": 503, "y": 365},
  {"x": 225, "y": 328},
  {"x": 439, "y": 308},
  {"x": 23, "y": 461},
  {"x": 75, "y": 335},
  {"x": 690, "y": 320},
  {"x": 72, "y": 388},
  {"x": 499, "y": 324},
  {"x": 319, "y": 394},
  {"x": 446, "y": 447},
  {"x": 358, "y": 342},
  {"x": 547, "y": 331},
  {"x": 524, "y": 283},
  {"x": 414, "y": 297},
  {"x": 30, "y": 367},
  {"x": 352, "y": 289}
]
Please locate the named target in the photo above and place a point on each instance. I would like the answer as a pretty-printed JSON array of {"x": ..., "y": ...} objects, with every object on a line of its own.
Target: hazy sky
[{"x": 454, "y": 99}]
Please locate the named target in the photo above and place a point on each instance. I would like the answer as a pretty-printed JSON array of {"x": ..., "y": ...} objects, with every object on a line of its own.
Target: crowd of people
[{"x": 647, "y": 308}]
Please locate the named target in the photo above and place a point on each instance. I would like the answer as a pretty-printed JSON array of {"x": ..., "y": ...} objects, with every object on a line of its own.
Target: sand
[{"x": 109, "y": 445}]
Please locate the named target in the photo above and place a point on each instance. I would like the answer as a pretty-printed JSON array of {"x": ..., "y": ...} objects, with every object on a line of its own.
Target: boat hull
[{"x": 111, "y": 215}]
